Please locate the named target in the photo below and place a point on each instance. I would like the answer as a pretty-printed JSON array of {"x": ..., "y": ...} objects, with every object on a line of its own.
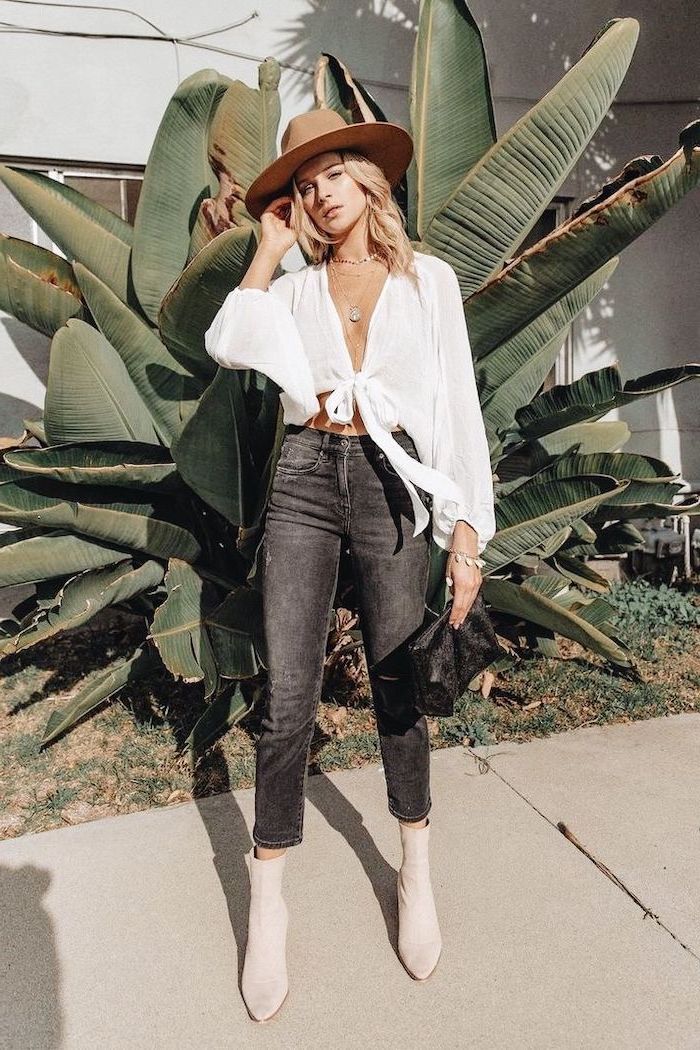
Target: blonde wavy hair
[{"x": 386, "y": 232}]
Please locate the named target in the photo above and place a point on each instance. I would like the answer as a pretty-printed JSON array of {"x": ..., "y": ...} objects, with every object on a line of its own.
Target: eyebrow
[{"x": 305, "y": 181}]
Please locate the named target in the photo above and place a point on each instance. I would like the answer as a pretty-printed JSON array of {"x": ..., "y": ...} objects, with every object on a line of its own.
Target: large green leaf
[
  {"x": 576, "y": 249},
  {"x": 536, "y": 607},
  {"x": 235, "y": 629},
  {"x": 89, "y": 393},
  {"x": 176, "y": 181},
  {"x": 222, "y": 713},
  {"x": 191, "y": 304},
  {"x": 168, "y": 390},
  {"x": 37, "y": 286},
  {"x": 178, "y": 629},
  {"x": 533, "y": 513},
  {"x": 212, "y": 454},
  {"x": 336, "y": 88},
  {"x": 580, "y": 573},
  {"x": 618, "y": 464},
  {"x": 555, "y": 586},
  {"x": 85, "y": 595},
  {"x": 592, "y": 396},
  {"x": 137, "y": 526},
  {"x": 618, "y": 538},
  {"x": 601, "y": 436},
  {"x": 30, "y": 555},
  {"x": 510, "y": 376},
  {"x": 81, "y": 228},
  {"x": 126, "y": 464},
  {"x": 452, "y": 120},
  {"x": 495, "y": 204},
  {"x": 138, "y": 666},
  {"x": 250, "y": 536},
  {"x": 646, "y": 501},
  {"x": 241, "y": 142}
]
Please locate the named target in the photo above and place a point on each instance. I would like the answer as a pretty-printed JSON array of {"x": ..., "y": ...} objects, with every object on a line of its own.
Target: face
[{"x": 322, "y": 182}]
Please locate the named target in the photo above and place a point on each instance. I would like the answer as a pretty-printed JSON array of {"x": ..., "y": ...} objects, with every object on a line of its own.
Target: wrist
[
  {"x": 456, "y": 556},
  {"x": 465, "y": 538},
  {"x": 270, "y": 253}
]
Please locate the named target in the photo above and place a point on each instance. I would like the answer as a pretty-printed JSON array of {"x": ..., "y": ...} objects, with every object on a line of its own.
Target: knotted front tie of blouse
[{"x": 417, "y": 373}]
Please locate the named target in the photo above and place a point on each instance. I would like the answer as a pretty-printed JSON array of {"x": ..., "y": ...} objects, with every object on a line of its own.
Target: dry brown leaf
[{"x": 487, "y": 680}]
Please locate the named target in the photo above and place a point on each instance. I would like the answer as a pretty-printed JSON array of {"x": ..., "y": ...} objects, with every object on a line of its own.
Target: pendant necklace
[{"x": 355, "y": 313}]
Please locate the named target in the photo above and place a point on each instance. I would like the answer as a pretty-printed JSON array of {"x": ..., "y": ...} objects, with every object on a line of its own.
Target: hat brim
[{"x": 388, "y": 145}]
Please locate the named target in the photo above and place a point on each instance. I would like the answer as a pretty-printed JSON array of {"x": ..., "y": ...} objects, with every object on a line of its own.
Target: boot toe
[
  {"x": 420, "y": 959},
  {"x": 264, "y": 998}
]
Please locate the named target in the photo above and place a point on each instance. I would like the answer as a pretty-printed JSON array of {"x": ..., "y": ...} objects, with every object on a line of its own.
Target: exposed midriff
[{"x": 321, "y": 421}]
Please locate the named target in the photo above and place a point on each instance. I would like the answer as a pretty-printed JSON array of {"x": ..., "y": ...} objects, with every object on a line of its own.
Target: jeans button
[{"x": 344, "y": 442}]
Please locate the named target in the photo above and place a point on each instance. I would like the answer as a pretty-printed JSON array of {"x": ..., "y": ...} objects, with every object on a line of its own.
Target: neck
[{"x": 353, "y": 244}]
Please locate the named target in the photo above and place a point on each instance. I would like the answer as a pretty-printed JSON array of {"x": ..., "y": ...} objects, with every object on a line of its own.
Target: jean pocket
[
  {"x": 385, "y": 464},
  {"x": 297, "y": 457},
  {"x": 387, "y": 472}
]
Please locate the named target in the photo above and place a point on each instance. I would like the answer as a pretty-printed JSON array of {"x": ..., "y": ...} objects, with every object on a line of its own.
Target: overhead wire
[{"x": 193, "y": 40}]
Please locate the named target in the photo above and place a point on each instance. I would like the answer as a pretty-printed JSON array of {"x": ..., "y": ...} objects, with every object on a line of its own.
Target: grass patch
[{"x": 127, "y": 755}]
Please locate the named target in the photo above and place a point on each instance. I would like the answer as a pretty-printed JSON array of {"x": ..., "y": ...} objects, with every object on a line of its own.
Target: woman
[{"x": 369, "y": 347}]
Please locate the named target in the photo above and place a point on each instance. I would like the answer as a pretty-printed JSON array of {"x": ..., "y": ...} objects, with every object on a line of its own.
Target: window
[{"x": 115, "y": 188}]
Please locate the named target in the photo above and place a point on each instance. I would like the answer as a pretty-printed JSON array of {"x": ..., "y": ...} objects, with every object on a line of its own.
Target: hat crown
[
  {"x": 307, "y": 135},
  {"x": 306, "y": 126}
]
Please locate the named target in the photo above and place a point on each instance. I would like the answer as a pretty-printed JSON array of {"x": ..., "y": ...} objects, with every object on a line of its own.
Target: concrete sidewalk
[{"x": 129, "y": 933}]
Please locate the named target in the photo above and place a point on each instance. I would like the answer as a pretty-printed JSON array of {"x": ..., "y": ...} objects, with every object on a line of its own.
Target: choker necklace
[{"x": 355, "y": 262}]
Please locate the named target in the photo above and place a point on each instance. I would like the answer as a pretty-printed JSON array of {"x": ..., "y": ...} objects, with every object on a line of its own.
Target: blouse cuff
[{"x": 446, "y": 513}]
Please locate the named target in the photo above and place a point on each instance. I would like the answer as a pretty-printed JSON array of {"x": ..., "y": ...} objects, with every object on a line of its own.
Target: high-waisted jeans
[{"x": 330, "y": 489}]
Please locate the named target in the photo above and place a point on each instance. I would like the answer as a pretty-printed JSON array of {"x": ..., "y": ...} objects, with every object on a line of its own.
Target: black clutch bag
[{"x": 444, "y": 660}]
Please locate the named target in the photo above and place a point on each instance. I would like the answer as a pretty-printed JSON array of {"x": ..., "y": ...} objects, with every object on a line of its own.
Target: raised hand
[{"x": 278, "y": 231}]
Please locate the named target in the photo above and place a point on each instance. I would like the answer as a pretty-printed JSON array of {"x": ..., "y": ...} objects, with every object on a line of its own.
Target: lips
[{"x": 335, "y": 208}]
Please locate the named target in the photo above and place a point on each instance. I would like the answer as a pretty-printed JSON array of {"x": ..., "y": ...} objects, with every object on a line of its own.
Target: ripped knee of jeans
[
  {"x": 393, "y": 692},
  {"x": 393, "y": 667}
]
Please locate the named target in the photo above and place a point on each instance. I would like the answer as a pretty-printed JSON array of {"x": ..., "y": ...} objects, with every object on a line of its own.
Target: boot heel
[{"x": 264, "y": 982}]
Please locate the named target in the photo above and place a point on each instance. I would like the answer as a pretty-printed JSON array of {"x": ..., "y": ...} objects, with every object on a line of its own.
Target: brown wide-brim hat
[{"x": 388, "y": 145}]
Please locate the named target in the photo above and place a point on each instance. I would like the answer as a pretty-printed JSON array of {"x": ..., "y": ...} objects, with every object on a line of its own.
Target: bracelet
[{"x": 467, "y": 557}]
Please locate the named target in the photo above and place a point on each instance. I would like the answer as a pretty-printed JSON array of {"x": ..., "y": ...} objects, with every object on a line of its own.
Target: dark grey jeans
[{"x": 330, "y": 490}]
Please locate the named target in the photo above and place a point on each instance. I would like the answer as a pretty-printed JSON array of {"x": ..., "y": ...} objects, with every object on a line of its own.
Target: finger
[
  {"x": 462, "y": 603},
  {"x": 281, "y": 207}
]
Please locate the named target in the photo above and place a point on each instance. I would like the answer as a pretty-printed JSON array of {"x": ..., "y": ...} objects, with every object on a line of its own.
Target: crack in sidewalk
[{"x": 485, "y": 766}]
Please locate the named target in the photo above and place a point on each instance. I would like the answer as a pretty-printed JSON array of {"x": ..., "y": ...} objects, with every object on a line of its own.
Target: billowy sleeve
[
  {"x": 460, "y": 445},
  {"x": 256, "y": 329}
]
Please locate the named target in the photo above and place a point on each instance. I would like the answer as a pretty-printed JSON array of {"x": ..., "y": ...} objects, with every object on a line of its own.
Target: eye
[{"x": 334, "y": 173}]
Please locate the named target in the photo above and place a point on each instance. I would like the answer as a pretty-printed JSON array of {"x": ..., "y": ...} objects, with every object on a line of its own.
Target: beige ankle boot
[
  {"x": 420, "y": 943},
  {"x": 264, "y": 980}
]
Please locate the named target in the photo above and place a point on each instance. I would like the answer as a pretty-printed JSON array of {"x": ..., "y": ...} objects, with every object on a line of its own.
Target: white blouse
[{"x": 417, "y": 373}]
